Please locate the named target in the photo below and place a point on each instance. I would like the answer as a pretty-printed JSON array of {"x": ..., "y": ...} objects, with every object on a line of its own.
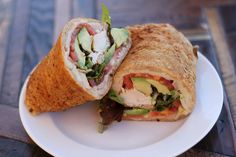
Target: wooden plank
[
  {"x": 40, "y": 153},
  {"x": 84, "y": 8},
  {"x": 181, "y": 13},
  {"x": 11, "y": 126},
  {"x": 225, "y": 63},
  {"x": 62, "y": 16},
  {"x": 198, "y": 34},
  {"x": 65, "y": 10},
  {"x": 39, "y": 34},
  {"x": 224, "y": 57},
  {"x": 221, "y": 138},
  {"x": 123, "y": 12},
  {"x": 215, "y": 3},
  {"x": 231, "y": 41},
  {"x": 5, "y": 20},
  {"x": 228, "y": 17},
  {"x": 200, "y": 153},
  {"x": 12, "y": 75},
  {"x": 207, "y": 49},
  {"x": 13, "y": 148}
]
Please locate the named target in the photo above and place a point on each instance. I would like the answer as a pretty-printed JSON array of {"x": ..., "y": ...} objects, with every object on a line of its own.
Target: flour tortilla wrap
[
  {"x": 58, "y": 84},
  {"x": 158, "y": 51}
]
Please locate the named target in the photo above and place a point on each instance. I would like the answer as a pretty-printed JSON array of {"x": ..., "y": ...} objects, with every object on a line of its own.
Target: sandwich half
[
  {"x": 79, "y": 67},
  {"x": 156, "y": 81}
]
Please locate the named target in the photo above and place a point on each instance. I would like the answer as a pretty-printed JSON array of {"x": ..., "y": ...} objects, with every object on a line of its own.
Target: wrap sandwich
[
  {"x": 79, "y": 67},
  {"x": 156, "y": 80}
]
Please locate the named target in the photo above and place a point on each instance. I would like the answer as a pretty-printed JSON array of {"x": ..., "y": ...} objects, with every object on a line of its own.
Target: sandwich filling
[
  {"x": 143, "y": 96},
  {"x": 92, "y": 47}
]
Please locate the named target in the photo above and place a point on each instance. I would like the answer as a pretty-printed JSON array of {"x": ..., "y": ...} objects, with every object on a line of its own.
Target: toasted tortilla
[
  {"x": 56, "y": 84},
  {"x": 159, "y": 49}
]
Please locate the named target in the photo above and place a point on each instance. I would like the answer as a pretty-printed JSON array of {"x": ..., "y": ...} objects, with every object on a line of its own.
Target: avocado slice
[
  {"x": 109, "y": 54},
  {"x": 160, "y": 87},
  {"x": 142, "y": 85},
  {"x": 80, "y": 54},
  {"x": 120, "y": 35},
  {"x": 136, "y": 111},
  {"x": 85, "y": 40},
  {"x": 113, "y": 96}
]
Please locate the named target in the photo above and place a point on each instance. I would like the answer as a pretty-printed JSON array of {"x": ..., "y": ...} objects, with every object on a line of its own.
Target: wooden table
[{"x": 28, "y": 30}]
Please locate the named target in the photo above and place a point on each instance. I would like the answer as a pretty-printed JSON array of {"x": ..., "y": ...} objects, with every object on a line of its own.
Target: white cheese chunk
[
  {"x": 97, "y": 57},
  {"x": 100, "y": 42}
]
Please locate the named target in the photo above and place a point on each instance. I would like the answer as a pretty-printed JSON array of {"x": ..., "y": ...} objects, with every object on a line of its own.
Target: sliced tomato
[
  {"x": 92, "y": 82},
  {"x": 159, "y": 113},
  {"x": 175, "y": 106},
  {"x": 89, "y": 28},
  {"x": 128, "y": 83},
  {"x": 167, "y": 83},
  {"x": 73, "y": 56}
]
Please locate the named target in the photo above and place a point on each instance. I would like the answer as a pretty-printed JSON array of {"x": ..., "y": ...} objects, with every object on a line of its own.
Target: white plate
[{"x": 73, "y": 133}]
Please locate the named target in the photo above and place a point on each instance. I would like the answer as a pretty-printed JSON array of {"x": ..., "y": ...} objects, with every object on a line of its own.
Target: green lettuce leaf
[
  {"x": 106, "y": 15},
  {"x": 98, "y": 68}
]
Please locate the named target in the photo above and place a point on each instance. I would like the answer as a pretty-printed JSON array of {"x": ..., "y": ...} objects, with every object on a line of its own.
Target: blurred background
[{"x": 29, "y": 28}]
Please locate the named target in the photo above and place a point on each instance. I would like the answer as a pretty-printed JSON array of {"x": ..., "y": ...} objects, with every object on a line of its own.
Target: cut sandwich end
[
  {"x": 143, "y": 97},
  {"x": 148, "y": 91},
  {"x": 92, "y": 55}
]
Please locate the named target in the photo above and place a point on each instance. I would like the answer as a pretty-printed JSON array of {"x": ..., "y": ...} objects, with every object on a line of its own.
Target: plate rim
[{"x": 137, "y": 150}]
